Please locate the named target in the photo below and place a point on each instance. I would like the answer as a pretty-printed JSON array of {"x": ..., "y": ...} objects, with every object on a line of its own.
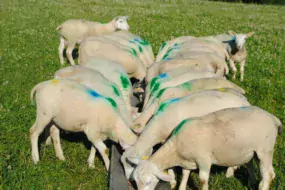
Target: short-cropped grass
[{"x": 29, "y": 55}]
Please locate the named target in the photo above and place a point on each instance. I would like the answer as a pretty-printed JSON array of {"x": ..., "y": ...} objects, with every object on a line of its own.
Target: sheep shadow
[{"x": 75, "y": 54}]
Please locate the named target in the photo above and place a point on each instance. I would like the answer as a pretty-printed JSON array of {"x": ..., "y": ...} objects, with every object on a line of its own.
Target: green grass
[{"x": 29, "y": 55}]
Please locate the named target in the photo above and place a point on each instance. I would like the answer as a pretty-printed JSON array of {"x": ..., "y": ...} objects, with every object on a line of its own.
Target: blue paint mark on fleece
[
  {"x": 137, "y": 40},
  {"x": 174, "y": 100},
  {"x": 168, "y": 58},
  {"x": 233, "y": 38},
  {"x": 93, "y": 93},
  {"x": 163, "y": 75}
]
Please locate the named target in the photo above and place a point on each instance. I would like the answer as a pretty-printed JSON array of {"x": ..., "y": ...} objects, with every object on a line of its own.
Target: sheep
[
  {"x": 207, "y": 50},
  {"x": 173, "y": 111},
  {"x": 227, "y": 137},
  {"x": 141, "y": 46},
  {"x": 172, "y": 78},
  {"x": 181, "y": 90},
  {"x": 127, "y": 57},
  {"x": 235, "y": 46},
  {"x": 94, "y": 80},
  {"x": 115, "y": 73},
  {"x": 76, "y": 108},
  {"x": 73, "y": 32}
]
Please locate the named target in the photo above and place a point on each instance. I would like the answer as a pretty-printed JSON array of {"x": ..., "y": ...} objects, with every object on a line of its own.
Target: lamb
[
  {"x": 127, "y": 57},
  {"x": 173, "y": 78},
  {"x": 115, "y": 73},
  {"x": 74, "y": 107},
  {"x": 216, "y": 138},
  {"x": 175, "y": 110},
  {"x": 141, "y": 46},
  {"x": 73, "y": 32},
  {"x": 181, "y": 90},
  {"x": 235, "y": 46}
]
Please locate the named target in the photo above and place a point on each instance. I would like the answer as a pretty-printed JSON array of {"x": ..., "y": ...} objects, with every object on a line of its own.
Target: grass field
[{"x": 29, "y": 55}]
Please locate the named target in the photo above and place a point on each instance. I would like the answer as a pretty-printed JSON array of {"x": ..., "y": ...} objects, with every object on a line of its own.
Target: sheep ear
[
  {"x": 249, "y": 34},
  {"x": 134, "y": 160},
  {"x": 232, "y": 33},
  {"x": 163, "y": 176}
]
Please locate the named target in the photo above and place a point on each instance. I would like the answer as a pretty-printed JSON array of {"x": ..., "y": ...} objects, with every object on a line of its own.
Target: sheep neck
[{"x": 166, "y": 157}]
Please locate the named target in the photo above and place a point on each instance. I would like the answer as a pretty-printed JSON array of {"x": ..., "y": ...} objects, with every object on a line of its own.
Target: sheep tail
[{"x": 32, "y": 93}]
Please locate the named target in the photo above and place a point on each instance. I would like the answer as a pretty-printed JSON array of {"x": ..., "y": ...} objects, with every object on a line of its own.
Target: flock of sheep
[{"x": 188, "y": 104}]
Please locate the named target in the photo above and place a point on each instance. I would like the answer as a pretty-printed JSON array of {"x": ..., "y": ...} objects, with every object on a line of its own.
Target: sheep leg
[
  {"x": 172, "y": 182},
  {"x": 185, "y": 176},
  {"x": 231, "y": 171},
  {"x": 92, "y": 157},
  {"x": 242, "y": 69},
  {"x": 54, "y": 133},
  {"x": 69, "y": 50},
  {"x": 104, "y": 152},
  {"x": 41, "y": 122},
  {"x": 48, "y": 140},
  {"x": 60, "y": 50},
  {"x": 266, "y": 169},
  {"x": 233, "y": 67},
  {"x": 204, "y": 171}
]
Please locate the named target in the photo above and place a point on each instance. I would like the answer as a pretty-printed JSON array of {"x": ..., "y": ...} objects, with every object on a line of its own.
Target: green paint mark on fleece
[
  {"x": 162, "y": 46},
  {"x": 141, "y": 49},
  {"x": 116, "y": 91},
  {"x": 179, "y": 127},
  {"x": 133, "y": 52},
  {"x": 165, "y": 104},
  {"x": 124, "y": 81},
  {"x": 187, "y": 85},
  {"x": 144, "y": 42},
  {"x": 113, "y": 103},
  {"x": 159, "y": 94},
  {"x": 153, "y": 82},
  {"x": 155, "y": 88}
]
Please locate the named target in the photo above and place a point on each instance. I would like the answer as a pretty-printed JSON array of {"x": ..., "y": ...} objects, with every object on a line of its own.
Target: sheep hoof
[{"x": 62, "y": 158}]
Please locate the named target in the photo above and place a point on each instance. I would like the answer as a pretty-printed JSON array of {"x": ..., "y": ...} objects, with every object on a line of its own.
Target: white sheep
[
  {"x": 171, "y": 112},
  {"x": 228, "y": 137},
  {"x": 141, "y": 46},
  {"x": 72, "y": 32},
  {"x": 105, "y": 48},
  {"x": 172, "y": 78},
  {"x": 115, "y": 73},
  {"x": 235, "y": 46},
  {"x": 181, "y": 90},
  {"x": 74, "y": 107}
]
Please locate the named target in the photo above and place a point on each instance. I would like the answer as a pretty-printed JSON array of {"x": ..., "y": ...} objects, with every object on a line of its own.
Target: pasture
[{"x": 29, "y": 55}]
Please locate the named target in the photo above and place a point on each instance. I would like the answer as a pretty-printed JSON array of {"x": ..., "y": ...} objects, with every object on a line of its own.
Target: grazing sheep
[
  {"x": 115, "y": 73},
  {"x": 141, "y": 46},
  {"x": 96, "y": 81},
  {"x": 73, "y": 32},
  {"x": 173, "y": 78},
  {"x": 235, "y": 46},
  {"x": 170, "y": 113},
  {"x": 228, "y": 137},
  {"x": 181, "y": 90},
  {"x": 74, "y": 107},
  {"x": 104, "y": 48}
]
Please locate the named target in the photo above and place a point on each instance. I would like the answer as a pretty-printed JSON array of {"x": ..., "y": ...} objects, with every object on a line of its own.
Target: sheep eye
[{"x": 121, "y": 21}]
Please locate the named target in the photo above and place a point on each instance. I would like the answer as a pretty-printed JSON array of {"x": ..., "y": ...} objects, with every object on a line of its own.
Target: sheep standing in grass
[
  {"x": 228, "y": 137},
  {"x": 72, "y": 32},
  {"x": 171, "y": 112},
  {"x": 76, "y": 108},
  {"x": 235, "y": 46}
]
